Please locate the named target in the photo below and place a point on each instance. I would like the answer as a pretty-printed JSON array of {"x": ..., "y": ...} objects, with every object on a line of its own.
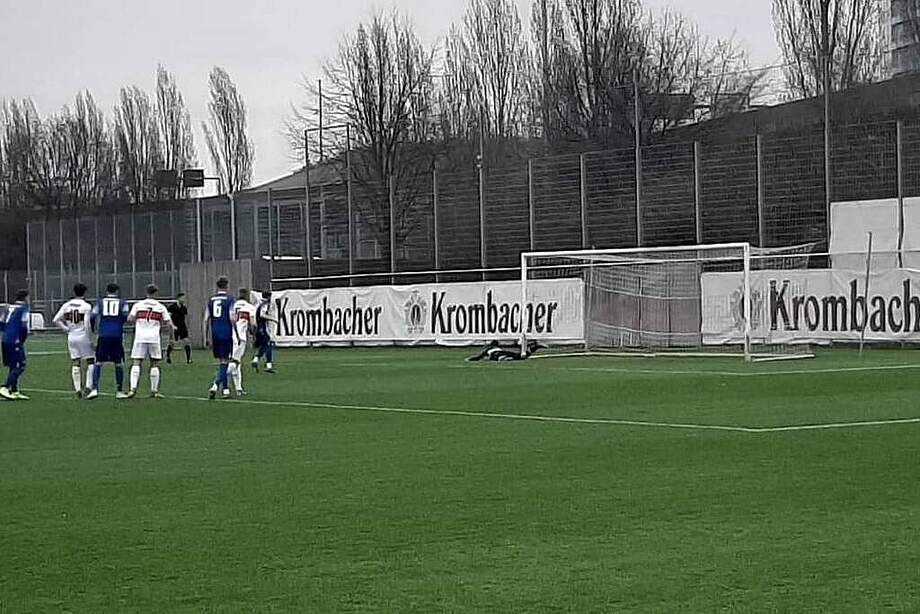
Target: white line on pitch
[
  {"x": 468, "y": 414},
  {"x": 837, "y": 425},
  {"x": 737, "y": 373},
  {"x": 562, "y": 419}
]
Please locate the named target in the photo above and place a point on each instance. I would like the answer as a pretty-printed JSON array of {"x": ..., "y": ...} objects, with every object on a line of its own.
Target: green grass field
[{"x": 675, "y": 487}]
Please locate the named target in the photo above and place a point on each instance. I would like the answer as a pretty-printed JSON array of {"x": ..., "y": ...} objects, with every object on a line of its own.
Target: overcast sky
[{"x": 50, "y": 49}]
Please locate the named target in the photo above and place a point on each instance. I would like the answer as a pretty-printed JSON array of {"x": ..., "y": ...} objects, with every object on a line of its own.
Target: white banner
[
  {"x": 812, "y": 305},
  {"x": 448, "y": 314}
]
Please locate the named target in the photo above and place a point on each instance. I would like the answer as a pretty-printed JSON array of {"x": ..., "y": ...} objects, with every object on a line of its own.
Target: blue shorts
[
  {"x": 110, "y": 349},
  {"x": 14, "y": 355},
  {"x": 222, "y": 348},
  {"x": 262, "y": 340}
]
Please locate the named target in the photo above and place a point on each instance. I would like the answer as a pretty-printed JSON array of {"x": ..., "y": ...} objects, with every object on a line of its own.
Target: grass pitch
[{"x": 409, "y": 481}]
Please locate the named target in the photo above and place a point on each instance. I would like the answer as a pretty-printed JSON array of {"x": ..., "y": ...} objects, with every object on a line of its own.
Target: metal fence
[{"x": 767, "y": 189}]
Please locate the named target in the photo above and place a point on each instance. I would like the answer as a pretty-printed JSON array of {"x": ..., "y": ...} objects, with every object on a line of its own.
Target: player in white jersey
[
  {"x": 148, "y": 316},
  {"x": 74, "y": 319},
  {"x": 244, "y": 319}
]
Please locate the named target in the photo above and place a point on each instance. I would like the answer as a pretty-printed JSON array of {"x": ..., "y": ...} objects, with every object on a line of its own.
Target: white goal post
[{"x": 669, "y": 300}]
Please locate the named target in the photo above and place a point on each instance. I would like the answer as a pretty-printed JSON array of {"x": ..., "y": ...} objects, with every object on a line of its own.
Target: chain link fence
[{"x": 472, "y": 223}]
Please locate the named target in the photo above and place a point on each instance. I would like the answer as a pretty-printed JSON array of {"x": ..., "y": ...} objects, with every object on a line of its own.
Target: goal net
[{"x": 689, "y": 300}]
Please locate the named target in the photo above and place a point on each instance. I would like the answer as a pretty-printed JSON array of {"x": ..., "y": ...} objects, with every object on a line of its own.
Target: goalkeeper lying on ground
[{"x": 495, "y": 352}]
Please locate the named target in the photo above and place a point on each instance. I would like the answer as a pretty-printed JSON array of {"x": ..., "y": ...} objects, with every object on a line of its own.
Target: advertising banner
[
  {"x": 813, "y": 305},
  {"x": 446, "y": 314}
]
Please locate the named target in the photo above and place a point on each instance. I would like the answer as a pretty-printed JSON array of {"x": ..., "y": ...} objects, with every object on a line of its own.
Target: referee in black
[{"x": 178, "y": 311}]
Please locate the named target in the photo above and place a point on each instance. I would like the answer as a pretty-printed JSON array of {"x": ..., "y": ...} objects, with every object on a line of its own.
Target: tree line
[
  {"x": 582, "y": 75},
  {"x": 79, "y": 159}
]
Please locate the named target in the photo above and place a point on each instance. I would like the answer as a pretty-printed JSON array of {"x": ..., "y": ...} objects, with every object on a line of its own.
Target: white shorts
[
  {"x": 239, "y": 350},
  {"x": 80, "y": 347},
  {"x": 140, "y": 351}
]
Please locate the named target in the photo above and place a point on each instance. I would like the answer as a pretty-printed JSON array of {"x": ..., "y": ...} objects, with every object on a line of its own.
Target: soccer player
[
  {"x": 244, "y": 319},
  {"x": 218, "y": 323},
  {"x": 496, "y": 353},
  {"x": 148, "y": 316},
  {"x": 263, "y": 340},
  {"x": 74, "y": 318},
  {"x": 178, "y": 311},
  {"x": 13, "y": 345},
  {"x": 110, "y": 315}
]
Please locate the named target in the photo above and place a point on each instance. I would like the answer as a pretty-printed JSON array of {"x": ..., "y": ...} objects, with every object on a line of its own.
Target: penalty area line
[{"x": 543, "y": 418}]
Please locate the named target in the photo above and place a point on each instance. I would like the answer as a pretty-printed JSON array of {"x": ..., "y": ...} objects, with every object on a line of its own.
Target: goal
[{"x": 688, "y": 300}]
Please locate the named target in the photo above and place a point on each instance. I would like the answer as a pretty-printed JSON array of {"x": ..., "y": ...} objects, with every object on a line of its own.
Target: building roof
[{"x": 320, "y": 174}]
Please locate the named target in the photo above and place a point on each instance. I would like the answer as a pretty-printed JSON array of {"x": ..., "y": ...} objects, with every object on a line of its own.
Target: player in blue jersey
[
  {"x": 263, "y": 341},
  {"x": 109, "y": 316},
  {"x": 218, "y": 322},
  {"x": 13, "y": 345}
]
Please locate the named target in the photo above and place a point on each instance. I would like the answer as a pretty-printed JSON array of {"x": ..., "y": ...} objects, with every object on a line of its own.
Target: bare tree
[
  {"x": 486, "y": 68},
  {"x": 177, "y": 143},
  {"x": 687, "y": 76},
  {"x": 22, "y": 131},
  {"x": 550, "y": 68},
  {"x": 88, "y": 171},
  {"x": 592, "y": 55},
  {"x": 137, "y": 143},
  {"x": 227, "y": 138},
  {"x": 827, "y": 43},
  {"x": 380, "y": 83}
]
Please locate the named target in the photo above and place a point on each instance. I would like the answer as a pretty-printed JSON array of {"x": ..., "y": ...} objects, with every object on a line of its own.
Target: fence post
[
  {"x": 114, "y": 249},
  {"x": 233, "y": 245},
  {"x": 278, "y": 247},
  {"x": 323, "y": 246},
  {"x": 61, "y": 255},
  {"x": 6, "y": 286},
  {"x": 133, "y": 257},
  {"x": 482, "y": 193},
  {"x": 828, "y": 170},
  {"x": 256, "y": 252},
  {"x": 172, "y": 254},
  {"x": 761, "y": 225},
  {"x": 638, "y": 131},
  {"x": 271, "y": 252},
  {"x": 45, "y": 262},
  {"x": 436, "y": 224},
  {"x": 698, "y": 191},
  {"x": 583, "y": 188},
  {"x": 307, "y": 214},
  {"x": 531, "y": 218},
  {"x": 392, "y": 198},
  {"x": 153, "y": 252},
  {"x": 199, "y": 248},
  {"x": 899, "y": 126},
  {"x": 96, "y": 253},
  {"x": 212, "y": 235},
  {"x": 350, "y": 205},
  {"x": 29, "y": 279},
  {"x": 79, "y": 250}
]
